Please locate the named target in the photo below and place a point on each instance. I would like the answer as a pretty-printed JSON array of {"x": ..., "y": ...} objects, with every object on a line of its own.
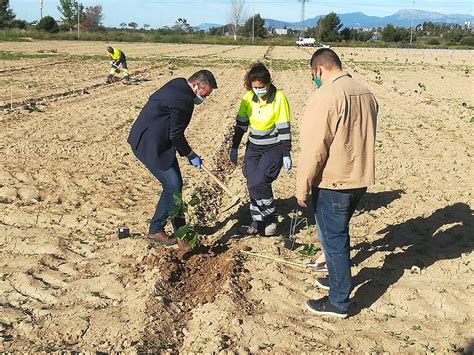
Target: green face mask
[{"x": 317, "y": 81}]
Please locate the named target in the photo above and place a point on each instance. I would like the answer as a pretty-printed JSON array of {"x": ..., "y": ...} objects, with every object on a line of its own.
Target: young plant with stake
[{"x": 181, "y": 210}]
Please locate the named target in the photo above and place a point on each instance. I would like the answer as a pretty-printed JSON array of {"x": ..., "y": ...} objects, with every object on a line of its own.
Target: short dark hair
[
  {"x": 325, "y": 57},
  {"x": 258, "y": 72},
  {"x": 204, "y": 77},
  {"x": 110, "y": 49}
]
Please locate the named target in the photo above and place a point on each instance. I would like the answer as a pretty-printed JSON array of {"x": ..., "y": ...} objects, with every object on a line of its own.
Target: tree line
[
  {"x": 90, "y": 18},
  {"x": 330, "y": 29},
  {"x": 327, "y": 29}
]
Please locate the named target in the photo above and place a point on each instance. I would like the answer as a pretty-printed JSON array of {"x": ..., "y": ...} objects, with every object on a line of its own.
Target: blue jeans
[
  {"x": 172, "y": 182},
  {"x": 333, "y": 209}
]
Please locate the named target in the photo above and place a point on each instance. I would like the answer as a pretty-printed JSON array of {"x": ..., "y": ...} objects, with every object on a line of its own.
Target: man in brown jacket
[{"x": 336, "y": 164}]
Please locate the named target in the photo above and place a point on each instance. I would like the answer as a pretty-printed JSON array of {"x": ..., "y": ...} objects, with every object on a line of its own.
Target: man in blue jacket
[{"x": 156, "y": 136}]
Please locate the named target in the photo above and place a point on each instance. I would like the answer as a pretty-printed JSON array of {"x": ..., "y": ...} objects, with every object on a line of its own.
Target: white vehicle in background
[
  {"x": 306, "y": 42},
  {"x": 310, "y": 42}
]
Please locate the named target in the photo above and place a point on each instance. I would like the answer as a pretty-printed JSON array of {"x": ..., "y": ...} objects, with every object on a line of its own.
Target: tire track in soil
[
  {"x": 225, "y": 51},
  {"x": 183, "y": 51},
  {"x": 268, "y": 53},
  {"x": 11, "y": 70},
  {"x": 45, "y": 99}
]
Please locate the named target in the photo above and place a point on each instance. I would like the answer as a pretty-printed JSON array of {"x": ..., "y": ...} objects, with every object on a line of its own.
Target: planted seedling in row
[
  {"x": 32, "y": 107},
  {"x": 181, "y": 210},
  {"x": 308, "y": 250},
  {"x": 422, "y": 86}
]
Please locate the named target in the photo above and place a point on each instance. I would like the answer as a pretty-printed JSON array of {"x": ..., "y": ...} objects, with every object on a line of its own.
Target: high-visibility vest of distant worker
[{"x": 117, "y": 58}]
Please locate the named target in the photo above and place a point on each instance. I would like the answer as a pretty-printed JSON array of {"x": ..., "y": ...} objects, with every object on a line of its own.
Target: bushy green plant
[
  {"x": 391, "y": 33},
  {"x": 48, "y": 24},
  {"x": 454, "y": 36},
  {"x": 21, "y": 24}
]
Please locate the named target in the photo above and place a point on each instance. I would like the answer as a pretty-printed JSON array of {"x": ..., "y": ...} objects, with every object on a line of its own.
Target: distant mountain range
[{"x": 358, "y": 19}]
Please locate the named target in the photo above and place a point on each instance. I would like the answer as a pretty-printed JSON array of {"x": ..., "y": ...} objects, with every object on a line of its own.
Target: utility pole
[
  {"x": 78, "y": 17},
  {"x": 41, "y": 8},
  {"x": 303, "y": 3},
  {"x": 411, "y": 29},
  {"x": 253, "y": 23}
]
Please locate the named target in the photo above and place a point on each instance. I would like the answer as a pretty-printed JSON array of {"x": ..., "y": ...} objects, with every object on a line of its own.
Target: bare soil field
[{"x": 68, "y": 180}]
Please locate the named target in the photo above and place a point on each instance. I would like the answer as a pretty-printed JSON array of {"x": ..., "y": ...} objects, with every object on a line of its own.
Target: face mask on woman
[{"x": 260, "y": 92}]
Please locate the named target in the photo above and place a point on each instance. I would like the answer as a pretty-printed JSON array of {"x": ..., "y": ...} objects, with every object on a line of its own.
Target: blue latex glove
[
  {"x": 233, "y": 155},
  {"x": 287, "y": 163},
  {"x": 195, "y": 160}
]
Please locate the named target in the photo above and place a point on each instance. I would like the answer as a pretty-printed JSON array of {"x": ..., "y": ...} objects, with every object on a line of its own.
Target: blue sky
[{"x": 158, "y": 13}]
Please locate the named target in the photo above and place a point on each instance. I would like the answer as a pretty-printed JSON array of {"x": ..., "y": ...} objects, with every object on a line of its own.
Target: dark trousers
[
  {"x": 172, "y": 182},
  {"x": 333, "y": 209},
  {"x": 261, "y": 169}
]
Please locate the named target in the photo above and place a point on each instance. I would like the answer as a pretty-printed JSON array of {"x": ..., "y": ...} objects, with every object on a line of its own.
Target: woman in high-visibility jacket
[
  {"x": 117, "y": 58},
  {"x": 265, "y": 113}
]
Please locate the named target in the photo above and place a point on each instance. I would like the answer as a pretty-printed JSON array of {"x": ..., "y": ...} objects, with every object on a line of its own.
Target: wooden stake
[
  {"x": 274, "y": 259},
  {"x": 11, "y": 98}
]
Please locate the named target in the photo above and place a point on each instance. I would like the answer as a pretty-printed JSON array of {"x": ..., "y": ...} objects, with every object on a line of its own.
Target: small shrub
[
  {"x": 48, "y": 24},
  {"x": 21, "y": 24},
  {"x": 467, "y": 41},
  {"x": 433, "y": 42},
  {"x": 454, "y": 36}
]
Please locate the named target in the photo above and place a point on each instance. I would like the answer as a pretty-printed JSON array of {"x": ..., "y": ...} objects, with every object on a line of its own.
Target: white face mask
[
  {"x": 198, "y": 99},
  {"x": 260, "y": 92}
]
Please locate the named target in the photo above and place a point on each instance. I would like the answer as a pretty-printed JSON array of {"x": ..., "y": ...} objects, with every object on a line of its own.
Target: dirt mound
[{"x": 187, "y": 283}]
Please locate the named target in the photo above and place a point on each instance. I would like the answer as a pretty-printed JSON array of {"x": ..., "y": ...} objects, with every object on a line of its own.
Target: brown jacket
[{"x": 337, "y": 138}]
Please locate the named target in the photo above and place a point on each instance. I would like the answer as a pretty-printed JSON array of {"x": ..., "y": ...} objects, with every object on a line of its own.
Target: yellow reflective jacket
[
  {"x": 269, "y": 121},
  {"x": 116, "y": 55}
]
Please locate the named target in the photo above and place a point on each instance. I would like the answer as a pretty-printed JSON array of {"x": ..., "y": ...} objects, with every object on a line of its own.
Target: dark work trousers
[
  {"x": 172, "y": 182},
  {"x": 261, "y": 168}
]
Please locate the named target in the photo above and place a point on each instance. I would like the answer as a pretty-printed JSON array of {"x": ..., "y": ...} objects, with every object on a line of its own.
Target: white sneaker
[
  {"x": 318, "y": 267},
  {"x": 271, "y": 229}
]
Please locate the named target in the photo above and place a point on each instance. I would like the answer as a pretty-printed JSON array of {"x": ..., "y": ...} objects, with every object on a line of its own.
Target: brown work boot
[
  {"x": 160, "y": 238},
  {"x": 184, "y": 246}
]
